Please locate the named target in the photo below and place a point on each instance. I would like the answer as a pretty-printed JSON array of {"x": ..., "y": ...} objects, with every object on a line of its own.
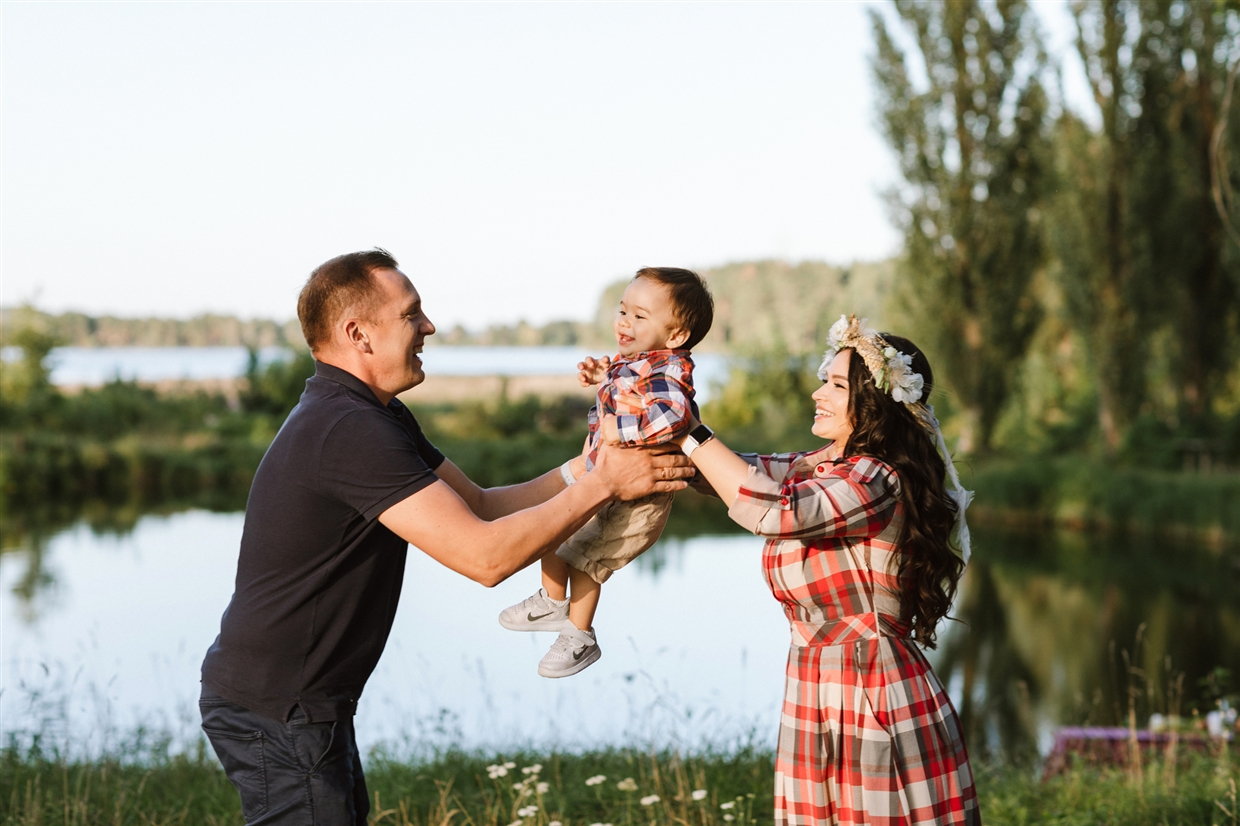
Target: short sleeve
[{"x": 371, "y": 460}]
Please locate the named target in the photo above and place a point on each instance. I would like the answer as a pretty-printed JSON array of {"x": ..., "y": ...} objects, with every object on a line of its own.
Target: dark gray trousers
[{"x": 302, "y": 773}]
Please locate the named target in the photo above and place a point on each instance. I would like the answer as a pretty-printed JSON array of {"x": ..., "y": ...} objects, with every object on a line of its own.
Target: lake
[
  {"x": 103, "y": 630},
  {"x": 77, "y": 366}
]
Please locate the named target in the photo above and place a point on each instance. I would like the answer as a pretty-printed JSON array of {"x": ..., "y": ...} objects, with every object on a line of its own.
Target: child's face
[{"x": 646, "y": 321}]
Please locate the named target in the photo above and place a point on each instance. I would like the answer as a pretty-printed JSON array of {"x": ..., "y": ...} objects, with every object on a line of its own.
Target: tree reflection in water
[
  {"x": 1051, "y": 622},
  {"x": 1048, "y": 621}
]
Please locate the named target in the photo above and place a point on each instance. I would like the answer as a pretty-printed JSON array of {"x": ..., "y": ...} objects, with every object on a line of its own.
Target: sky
[{"x": 172, "y": 159}]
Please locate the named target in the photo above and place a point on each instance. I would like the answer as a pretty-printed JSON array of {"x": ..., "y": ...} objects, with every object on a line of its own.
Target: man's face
[{"x": 397, "y": 333}]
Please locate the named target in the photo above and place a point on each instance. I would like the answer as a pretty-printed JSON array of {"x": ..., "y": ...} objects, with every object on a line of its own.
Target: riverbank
[
  {"x": 1087, "y": 494},
  {"x": 620, "y": 787}
]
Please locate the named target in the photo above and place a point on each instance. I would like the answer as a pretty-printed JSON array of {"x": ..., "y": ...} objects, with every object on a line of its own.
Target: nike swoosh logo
[
  {"x": 577, "y": 655},
  {"x": 530, "y": 616}
]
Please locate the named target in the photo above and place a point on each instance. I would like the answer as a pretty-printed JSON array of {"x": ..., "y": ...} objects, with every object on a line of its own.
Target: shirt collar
[
  {"x": 643, "y": 359},
  {"x": 350, "y": 382}
]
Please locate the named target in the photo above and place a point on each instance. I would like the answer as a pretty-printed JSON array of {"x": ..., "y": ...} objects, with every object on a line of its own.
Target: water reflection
[
  {"x": 1055, "y": 628},
  {"x": 1067, "y": 628}
]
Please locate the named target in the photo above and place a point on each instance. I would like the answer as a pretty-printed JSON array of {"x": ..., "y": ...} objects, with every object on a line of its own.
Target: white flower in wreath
[{"x": 906, "y": 386}]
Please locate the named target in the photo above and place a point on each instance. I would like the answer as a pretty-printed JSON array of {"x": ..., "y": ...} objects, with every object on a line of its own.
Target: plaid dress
[{"x": 868, "y": 734}]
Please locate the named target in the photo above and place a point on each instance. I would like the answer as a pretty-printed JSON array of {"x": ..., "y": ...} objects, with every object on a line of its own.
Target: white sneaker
[
  {"x": 537, "y": 613},
  {"x": 573, "y": 651}
]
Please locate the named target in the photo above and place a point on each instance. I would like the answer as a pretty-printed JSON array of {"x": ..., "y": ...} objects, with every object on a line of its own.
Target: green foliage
[
  {"x": 506, "y": 441},
  {"x": 125, "y": 442},
  {"x": 972, "y": 146},
  {"x": 765, "y": 305},
  {"x": 765, "y": 406},
  {"x": 1150, "y": 281},
  {"x": 1076, "y": 492},
  {"x": 207, "y": 330}
]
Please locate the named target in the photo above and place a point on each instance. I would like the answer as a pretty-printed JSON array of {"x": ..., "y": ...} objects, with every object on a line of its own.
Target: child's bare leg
[
  {"x": 555, "y": 576},
  {"x": 584, "y": 593}
]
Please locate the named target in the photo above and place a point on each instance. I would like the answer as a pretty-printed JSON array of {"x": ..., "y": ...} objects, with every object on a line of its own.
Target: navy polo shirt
[{"x": 319, "y": 577}]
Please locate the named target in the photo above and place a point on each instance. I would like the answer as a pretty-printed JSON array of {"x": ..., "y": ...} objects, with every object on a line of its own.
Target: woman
[{"x": 858, "y": 553}]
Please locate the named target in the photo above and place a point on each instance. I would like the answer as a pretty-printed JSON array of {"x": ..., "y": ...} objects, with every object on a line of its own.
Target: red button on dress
[{"x": 821, "y": 468}]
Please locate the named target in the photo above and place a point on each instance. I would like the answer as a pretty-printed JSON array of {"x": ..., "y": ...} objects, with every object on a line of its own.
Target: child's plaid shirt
[{"x": 651, "y": 396}]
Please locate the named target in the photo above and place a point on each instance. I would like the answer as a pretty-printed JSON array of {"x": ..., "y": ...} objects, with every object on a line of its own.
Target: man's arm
[
  {"x": 492, "y": 503},
  {"x": 441, "y": 523}
]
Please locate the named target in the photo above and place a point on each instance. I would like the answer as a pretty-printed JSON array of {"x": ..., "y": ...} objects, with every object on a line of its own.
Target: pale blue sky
[{"x": 176, "y": 158}]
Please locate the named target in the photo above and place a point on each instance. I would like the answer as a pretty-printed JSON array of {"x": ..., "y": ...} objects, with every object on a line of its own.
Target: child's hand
[
  {"x": 592, "y": 370},
  {"x": 609, "y": 429}
]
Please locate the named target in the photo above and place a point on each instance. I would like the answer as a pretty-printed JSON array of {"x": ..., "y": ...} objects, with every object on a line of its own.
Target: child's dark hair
[{"x": 691, "y": 300}]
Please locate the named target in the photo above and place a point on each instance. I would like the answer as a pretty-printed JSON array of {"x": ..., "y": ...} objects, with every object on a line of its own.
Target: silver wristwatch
[{"x": 697, "y": 437}]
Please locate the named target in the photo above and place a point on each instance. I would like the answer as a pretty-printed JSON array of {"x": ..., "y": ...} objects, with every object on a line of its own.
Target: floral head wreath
[{"x": 893, "y": 373}]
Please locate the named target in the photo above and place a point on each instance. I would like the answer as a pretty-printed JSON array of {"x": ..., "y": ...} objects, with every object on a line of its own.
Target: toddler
[{"x": 645, "y": 397}]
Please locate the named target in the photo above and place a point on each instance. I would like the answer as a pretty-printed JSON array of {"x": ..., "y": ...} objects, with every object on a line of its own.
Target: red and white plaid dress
[{"x": 868, "y": 734}]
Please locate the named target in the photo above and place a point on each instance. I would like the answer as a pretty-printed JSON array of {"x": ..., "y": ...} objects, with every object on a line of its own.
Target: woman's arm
[{"x": 858, "y": 500}]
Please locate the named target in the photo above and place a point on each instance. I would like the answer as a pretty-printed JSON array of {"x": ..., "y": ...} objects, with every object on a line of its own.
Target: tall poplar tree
[
  {"x": 1140, "y": 246},
  {"x": 971, "y": 137}
]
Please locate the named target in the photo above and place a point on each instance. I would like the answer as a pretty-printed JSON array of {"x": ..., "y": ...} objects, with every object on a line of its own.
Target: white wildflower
[
  {"x": 543, "y": 788},
  {"x": 518, "y": 786},
  {"x": 527, "y": 811},
  {"x": 594, "y": 781},
  {"x": 628, "y": 784},
  {"x": 496, "y": 771},
  {"x": 555, "y": 823},
  {"x": 510, "y": 765},
  {"x": 534, "y": 769},
  {"x": 699, "y": 794},
  {"x": 729, "y": 818},
  {"x": 730, "y": 804},
  {"x": 650, "y": 799}
]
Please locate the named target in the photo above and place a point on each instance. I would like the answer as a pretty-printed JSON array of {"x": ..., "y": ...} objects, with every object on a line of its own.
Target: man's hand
[
  {"x": 631, "y": 473},
  {"x": 592, "y": 370}
]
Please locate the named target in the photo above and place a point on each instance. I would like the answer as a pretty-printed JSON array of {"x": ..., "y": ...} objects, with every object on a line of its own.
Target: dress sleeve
[
  {"x": 857, "y": 498},
  {"x": 665, "y": 410},
  {"x": 775, "y": 465}
]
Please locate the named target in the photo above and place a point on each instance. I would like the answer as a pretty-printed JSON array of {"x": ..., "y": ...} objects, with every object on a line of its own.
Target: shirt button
[
  {"x": 821, "y": 468},
  {"x": 783, "y": 500}
]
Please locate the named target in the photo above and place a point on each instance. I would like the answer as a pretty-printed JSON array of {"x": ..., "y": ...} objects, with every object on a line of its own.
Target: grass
[{"x": 622, "y": 787}]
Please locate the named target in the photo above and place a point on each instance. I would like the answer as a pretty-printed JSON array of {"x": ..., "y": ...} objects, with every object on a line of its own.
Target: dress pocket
[{"x": 241, "y": 754}]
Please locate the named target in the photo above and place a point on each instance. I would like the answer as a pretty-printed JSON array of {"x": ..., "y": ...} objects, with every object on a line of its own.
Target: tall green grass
[{"x": 622, "y": 787}]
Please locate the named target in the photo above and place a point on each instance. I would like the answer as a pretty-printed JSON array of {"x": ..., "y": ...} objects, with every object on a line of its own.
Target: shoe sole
[
  {"x": 582, "y": 664},
  {"x": 539, "y": 625}
]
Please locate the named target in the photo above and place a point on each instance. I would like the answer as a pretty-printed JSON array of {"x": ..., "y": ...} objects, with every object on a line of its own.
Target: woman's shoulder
[{"x": 862, "y": 470}]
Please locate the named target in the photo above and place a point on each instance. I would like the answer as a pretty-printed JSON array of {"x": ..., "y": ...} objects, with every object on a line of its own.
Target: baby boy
[{"x": 645, "y": 397}]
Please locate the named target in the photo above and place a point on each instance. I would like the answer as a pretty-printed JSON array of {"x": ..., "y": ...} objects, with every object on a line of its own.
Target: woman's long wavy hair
[{"x": 885, "y": 429}]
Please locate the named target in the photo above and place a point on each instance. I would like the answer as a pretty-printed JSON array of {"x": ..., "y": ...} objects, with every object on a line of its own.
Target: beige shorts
[{"x": 616, "y": 535}]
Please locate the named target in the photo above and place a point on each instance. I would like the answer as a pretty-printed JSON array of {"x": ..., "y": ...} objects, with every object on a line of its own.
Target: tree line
[{"x": 1062, "y": 264}]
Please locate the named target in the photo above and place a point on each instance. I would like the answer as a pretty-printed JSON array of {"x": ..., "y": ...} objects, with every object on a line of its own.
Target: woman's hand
[{"x": 592, "y": 370}]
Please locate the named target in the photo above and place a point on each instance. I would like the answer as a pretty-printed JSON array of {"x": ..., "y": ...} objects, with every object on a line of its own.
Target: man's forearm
[
  {"x": 444, "y": 526},
  {"x": 493, "y": 503}
]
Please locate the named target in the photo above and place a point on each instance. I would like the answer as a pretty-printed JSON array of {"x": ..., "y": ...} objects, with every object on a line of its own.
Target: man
[{"x": 347, "y": 483}]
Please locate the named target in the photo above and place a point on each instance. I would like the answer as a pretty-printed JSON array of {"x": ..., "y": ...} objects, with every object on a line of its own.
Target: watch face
[{"x": 701, "y": 433}]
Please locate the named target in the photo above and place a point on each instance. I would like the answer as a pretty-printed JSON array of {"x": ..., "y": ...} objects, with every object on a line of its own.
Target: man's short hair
[
  {"x": 691, "y": 300},
  {"x": 337, "y": 286}
]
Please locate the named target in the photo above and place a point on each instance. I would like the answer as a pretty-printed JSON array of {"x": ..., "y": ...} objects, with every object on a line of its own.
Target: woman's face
[{"x": 831, "y": 402}]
